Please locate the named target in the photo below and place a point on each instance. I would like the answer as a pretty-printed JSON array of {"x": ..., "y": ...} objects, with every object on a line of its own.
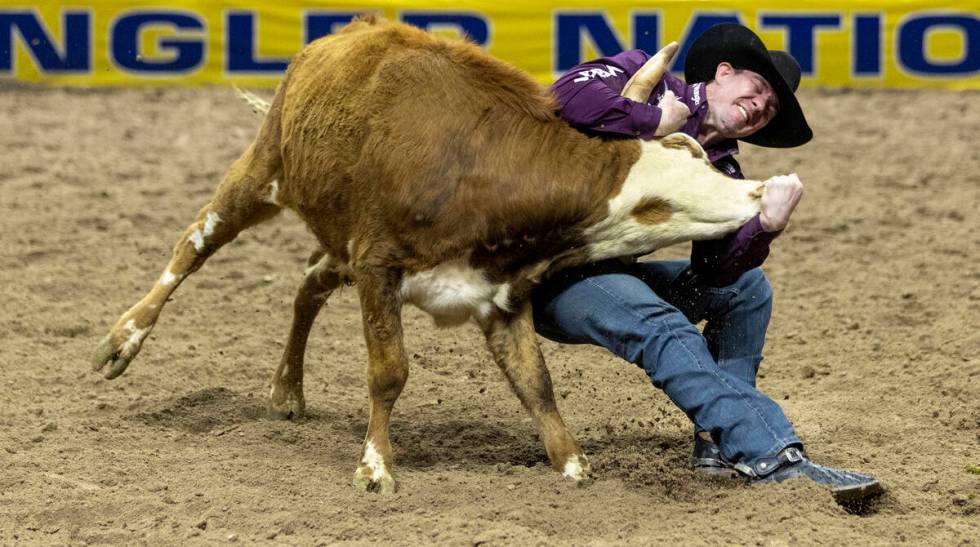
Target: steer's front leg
[
  {"x": 515, "y": 348},
  {"x": 387, "y": 373}
]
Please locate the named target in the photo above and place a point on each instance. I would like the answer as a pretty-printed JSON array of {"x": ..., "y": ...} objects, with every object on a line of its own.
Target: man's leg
[
  {"x": 737, "y": 317},
  {"x": 615, "y": 306}
]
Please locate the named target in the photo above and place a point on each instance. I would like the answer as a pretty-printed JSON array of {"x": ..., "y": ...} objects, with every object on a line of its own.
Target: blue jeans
[{"x": 646, "y": 314}]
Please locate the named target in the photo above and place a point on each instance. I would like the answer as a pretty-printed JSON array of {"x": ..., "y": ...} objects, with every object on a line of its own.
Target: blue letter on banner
[
  {"x": 912, "y": 47},
  {"x": 188, "y": 54},
  {"x": 570, "y": 28},
  {"x": 76, "y": 33},
  {"x": 800, "y": 30},
  {"x": 473, "y": 26},
  {"x": 867, "y": 45},
  {"x": 319, "y": 24},
  {"x": 646, "y": 32},
  {"x": 241, "y": 46}
]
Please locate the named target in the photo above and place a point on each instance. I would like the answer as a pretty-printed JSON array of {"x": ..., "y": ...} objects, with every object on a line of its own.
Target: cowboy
[{"x": 646, "y": 312}]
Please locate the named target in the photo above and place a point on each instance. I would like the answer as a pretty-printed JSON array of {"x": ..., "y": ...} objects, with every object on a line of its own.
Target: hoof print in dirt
[
  {"x": 860, "y": 501},
  {"x": 276, "y": 414}
]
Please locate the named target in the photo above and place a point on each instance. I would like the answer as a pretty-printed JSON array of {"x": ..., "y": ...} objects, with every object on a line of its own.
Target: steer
[{"x": 433, "y": 174}]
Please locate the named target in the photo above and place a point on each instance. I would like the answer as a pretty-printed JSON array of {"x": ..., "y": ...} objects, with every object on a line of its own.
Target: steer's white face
[{"x": 669, "y": 196}]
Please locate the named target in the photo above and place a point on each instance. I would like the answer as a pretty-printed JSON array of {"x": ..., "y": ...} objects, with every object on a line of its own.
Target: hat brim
[{"x": 740, "y": 47}]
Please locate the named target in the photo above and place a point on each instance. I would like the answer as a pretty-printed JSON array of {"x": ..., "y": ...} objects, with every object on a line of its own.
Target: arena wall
[{"x": 868, "y": 43}]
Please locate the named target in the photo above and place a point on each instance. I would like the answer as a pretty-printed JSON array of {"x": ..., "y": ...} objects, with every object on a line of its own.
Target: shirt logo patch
[
  {"x": 696, "y": 93},
  {"x": 586, "y": 75}
]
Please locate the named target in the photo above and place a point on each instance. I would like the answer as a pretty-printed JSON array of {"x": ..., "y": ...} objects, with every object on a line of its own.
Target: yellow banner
[{"x": 865, "y": 43}]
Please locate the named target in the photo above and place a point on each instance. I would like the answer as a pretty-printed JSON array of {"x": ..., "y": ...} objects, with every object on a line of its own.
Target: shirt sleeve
[
  {"x": 589, "y": 97},
  {"x": 720, "y": 262}
]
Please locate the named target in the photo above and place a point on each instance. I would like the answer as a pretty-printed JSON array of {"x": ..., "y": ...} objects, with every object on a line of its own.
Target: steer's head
[{"x": 671, "y": 194}]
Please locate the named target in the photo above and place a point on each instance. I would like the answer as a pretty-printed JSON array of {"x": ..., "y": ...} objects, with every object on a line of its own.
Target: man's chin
[
  {"x": 736, "y": 130},
  {"x": 742, "y": 133}
]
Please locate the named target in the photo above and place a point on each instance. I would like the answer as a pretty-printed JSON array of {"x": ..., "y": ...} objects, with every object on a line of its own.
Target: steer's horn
[{"x": 639, "y": 87}]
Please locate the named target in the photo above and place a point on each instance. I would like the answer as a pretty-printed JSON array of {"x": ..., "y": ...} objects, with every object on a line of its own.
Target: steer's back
[{"x": 451, "y": 145}]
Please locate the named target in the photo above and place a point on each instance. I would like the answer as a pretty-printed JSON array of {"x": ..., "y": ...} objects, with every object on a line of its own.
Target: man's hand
[
  {"x": 779, "y": 198},
  {"x": 673, "y": 114},
  {"x": 673, "y": 111}
]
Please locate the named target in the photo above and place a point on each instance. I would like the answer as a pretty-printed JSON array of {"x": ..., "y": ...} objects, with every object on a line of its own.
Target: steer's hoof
[
  {"x": 578, "y": 469},
  {"x": 111, "y": 354},
  {"x": 374, "y": 480},
  {"x": 292, "y": 408}
]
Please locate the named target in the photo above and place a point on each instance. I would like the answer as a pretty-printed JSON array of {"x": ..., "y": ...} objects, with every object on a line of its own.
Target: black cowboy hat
[{"x": 740, "y": 47}]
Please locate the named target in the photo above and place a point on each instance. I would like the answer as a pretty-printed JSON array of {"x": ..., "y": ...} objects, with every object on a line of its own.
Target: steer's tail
[{"x": 259, "y": 105}]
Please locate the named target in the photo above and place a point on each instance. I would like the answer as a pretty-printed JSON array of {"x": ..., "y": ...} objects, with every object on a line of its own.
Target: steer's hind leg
[
  {"x": 515, "y": 349},
  {"x": 240, "y": 201},
  {"x": 286, "y": 397},
  {"x": 387, "y": 373}
]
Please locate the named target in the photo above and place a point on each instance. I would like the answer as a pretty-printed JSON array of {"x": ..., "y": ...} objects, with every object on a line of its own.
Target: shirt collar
[
  {"x": 696, "y": 99},
  {"x": 722, "y": 149}
]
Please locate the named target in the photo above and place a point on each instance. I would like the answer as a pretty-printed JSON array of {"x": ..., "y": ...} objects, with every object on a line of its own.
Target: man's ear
[{"x": 723, "y": 70}]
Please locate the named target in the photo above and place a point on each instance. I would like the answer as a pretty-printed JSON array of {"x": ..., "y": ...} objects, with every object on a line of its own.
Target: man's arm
[
  {"x": 721, "y": 262},
  {"x": 589, "y": 97}
]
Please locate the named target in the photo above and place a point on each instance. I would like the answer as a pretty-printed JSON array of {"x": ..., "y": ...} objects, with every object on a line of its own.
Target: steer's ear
[{"x": 683, "y": 140}]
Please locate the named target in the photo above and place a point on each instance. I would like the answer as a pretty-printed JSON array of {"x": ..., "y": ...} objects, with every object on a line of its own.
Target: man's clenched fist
[
  {"x": 673, "y": 114},
  {"x": 779, "y": 198}
]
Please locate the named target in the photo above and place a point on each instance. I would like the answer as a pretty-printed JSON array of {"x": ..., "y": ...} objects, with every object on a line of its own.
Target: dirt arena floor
[{"x": 873, "y": 353}]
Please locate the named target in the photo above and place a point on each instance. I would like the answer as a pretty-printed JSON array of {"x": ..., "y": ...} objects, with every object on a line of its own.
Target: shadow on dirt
[
  {"x": 203, "y": 411},
  {"x": 649, "y": 461}
]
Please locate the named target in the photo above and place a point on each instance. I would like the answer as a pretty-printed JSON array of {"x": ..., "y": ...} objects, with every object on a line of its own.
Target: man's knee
[{"x": 754, "y": 286}]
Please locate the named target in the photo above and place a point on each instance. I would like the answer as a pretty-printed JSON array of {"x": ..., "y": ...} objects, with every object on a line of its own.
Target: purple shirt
[{"x": 589, "y": 99}]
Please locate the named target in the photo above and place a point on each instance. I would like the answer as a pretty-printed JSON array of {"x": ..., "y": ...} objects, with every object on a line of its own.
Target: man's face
[{"x": 742, "y": 101}]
